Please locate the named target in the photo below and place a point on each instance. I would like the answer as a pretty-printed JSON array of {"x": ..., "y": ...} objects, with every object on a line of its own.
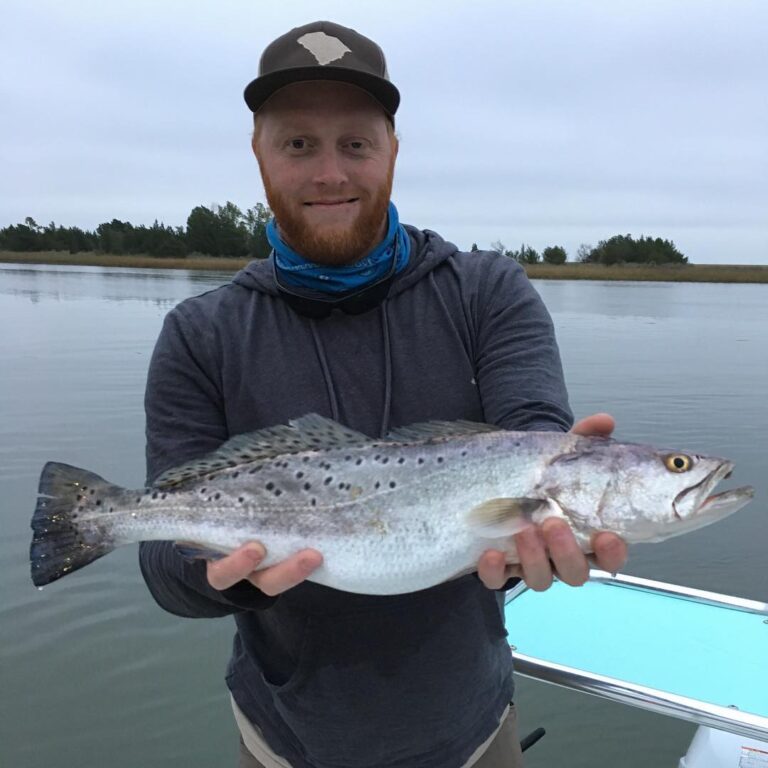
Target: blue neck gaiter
[{"x": 296, "y": 271}]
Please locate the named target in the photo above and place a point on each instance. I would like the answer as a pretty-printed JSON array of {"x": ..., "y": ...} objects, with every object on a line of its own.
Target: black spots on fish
[
  {"x": 270, "y": 486},
  {"x": 392, "y": 484},
  {"x": 463, "y": 454},
  {"x": 240, "y": 499},
  {"x": 328, "y": 480},
  {"x": 359, "y": 462},
  {"x": 98, "y": 502},
  {"x": 277, "y": 492},
  {"x": 216, "y": 496},
  {"x": 307, "y": 486},
  {"x": 401, "y": 460},
  {"x": 377, "y": 485},
  {"x": 92, "y": 491},
  {"x": 313, "y": 501},
  {"x": 235, "y": 475},
  {"x": 347, "y": 458},
  {"x": 385, "y": 460},
  {"x": 299, "y": 475},
  {"x": 111, "y": 509},
  {"x": 420, "y": 460},
  {"x": 154, "y": 495},
  {"x": 138, "y": 499},
  {"x": 163, "y": 496},
  {"x": 305, "y": 459},
  {"x": 440, "y": 459}
]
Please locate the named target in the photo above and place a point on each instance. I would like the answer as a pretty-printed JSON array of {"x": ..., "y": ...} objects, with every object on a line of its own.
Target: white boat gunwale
[{"x": 652, "y": 699}]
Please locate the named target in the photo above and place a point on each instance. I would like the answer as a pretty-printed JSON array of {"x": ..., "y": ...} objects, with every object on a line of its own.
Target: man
[{"x": 375, "y": 325}]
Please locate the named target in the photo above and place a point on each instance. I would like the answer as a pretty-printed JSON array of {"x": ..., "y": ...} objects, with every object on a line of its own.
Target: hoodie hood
[{"x": 428, "y": 250}]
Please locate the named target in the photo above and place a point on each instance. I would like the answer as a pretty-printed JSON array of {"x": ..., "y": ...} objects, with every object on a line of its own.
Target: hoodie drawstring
[
  {"x": 386, "y": 410},
  {"x": 320, "y": 349},
  {"x": 327, "y": 378}
]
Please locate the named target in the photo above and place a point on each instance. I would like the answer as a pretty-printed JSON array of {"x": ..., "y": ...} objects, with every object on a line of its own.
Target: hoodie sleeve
[
  {"x": 519, "y": 373},
  {"x": 185, "y": 419}
]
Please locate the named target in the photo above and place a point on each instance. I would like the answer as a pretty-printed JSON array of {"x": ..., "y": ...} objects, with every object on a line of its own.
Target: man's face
[{"x": 327, "y": 154}]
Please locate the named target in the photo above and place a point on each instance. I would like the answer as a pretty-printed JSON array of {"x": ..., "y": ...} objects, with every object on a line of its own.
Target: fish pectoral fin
[
  {"x": 193, "y": 550},
  {"x": 504, "y": 517}
]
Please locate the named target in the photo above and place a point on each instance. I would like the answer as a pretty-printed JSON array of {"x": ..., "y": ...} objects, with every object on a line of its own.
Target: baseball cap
[{"x": 323, "y": 50}]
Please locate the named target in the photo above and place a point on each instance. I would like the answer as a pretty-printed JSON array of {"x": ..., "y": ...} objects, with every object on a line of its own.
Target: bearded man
[{"x": 376, "y": 325}]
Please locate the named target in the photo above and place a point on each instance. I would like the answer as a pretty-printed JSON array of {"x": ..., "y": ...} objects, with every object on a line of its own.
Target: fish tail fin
[{"x": 61, "y": 543}]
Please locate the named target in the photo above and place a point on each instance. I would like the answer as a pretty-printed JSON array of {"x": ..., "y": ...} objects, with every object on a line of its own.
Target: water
[{"x": 92, "y": 673}]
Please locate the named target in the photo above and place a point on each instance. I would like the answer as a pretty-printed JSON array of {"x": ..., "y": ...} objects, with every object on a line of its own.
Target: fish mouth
[{"x": 706, "y": 503}]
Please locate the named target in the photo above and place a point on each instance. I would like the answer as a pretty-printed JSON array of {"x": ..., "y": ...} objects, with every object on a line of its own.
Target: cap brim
[{"x": 260, "y": 89}]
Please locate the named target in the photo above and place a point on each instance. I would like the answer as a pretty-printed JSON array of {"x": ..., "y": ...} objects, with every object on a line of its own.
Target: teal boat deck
[{"x": 695, "y": 655}]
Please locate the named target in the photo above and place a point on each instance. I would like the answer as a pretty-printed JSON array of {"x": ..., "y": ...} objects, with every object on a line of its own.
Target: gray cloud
[{"x": 543, "y": 122}]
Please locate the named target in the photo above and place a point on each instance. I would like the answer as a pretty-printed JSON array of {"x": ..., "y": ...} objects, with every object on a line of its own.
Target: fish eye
[{"x": 678, "y": 462}]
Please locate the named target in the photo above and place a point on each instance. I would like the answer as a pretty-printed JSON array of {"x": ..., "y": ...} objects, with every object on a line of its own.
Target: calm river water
[{"x": 92, "y": 673}]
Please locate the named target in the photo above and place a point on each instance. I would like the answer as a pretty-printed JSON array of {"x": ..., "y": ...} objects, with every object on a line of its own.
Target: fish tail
[{"x": 61, "y": 541}]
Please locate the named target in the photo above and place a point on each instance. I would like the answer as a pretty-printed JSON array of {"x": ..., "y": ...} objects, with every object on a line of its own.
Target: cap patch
[{"x": 324, "y": 48}]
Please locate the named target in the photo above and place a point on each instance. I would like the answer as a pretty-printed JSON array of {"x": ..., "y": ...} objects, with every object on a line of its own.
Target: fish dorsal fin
[
  {"x": 435, "y": 430},
  {"x": 308, "y": 433}
]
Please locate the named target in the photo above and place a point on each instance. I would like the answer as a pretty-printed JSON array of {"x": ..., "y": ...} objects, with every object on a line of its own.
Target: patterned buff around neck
[{"x": 294, "y": 270}]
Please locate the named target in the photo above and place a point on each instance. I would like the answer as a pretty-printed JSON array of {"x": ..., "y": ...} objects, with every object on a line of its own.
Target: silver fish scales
[{"x": 389, "y": 516}]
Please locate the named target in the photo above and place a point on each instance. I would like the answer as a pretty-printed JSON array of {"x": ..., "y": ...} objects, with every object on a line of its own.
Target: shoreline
[{"x": 689, "y": 273}]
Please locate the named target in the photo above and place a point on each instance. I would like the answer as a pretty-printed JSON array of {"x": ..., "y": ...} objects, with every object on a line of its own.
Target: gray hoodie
[{"x": 336, "y": 680}]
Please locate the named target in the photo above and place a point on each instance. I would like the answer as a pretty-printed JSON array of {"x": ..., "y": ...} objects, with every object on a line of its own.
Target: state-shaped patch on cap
[{"x": 324, "y": 48}]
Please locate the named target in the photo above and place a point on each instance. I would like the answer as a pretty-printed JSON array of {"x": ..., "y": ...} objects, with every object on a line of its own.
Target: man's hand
[
  {"x": 551, "y": 549},
  {"x": 243, "y": 562}
]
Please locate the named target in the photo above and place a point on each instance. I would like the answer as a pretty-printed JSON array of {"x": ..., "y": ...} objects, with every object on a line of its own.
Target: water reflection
[
  {"x": 160, "y": 287},
  {"x": 681, "y": 364}
]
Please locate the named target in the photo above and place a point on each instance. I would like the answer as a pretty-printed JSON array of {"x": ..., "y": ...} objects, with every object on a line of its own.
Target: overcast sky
[{"x": 522, "y": 121}]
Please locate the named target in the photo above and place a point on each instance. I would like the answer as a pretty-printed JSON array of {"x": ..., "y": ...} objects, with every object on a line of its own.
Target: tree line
[
  {"x": 221, "y": 230},
  {"x": 225, "y": 230},
  {"x": 619, "y": 249}
]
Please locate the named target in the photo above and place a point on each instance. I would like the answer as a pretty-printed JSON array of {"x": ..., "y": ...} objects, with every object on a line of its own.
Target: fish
[{"x": 390, "y": 515}]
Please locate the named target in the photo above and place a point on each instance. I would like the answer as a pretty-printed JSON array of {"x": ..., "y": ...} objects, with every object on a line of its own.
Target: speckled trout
[{"x": 390, "y": 515}]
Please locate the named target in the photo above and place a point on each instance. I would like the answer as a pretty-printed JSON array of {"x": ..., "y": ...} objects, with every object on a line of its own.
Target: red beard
[{"x": 337, "y": 246}]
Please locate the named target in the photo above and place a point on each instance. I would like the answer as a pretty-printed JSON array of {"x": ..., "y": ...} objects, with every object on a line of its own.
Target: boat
[{"x": 685, "y": 653}]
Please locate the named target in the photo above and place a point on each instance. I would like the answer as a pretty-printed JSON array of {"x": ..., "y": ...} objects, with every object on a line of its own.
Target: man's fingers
[
  {"x": 597, "y": 425},
  {"x": 534, "y": 560},
  {"x": 225, "y": 573},
  {"x": 493, "y": 570},
  {"x": 610, "y": 551},
  {"x": 288, "y": 573},
  {"x": 570, "y": 562}
]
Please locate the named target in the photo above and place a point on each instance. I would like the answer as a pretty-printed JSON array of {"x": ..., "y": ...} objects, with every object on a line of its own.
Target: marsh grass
[{"x": 690, "y": 273}]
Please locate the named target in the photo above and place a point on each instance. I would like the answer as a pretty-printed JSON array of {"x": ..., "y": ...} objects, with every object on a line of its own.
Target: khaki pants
[{"x": 503, "y": 751}]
